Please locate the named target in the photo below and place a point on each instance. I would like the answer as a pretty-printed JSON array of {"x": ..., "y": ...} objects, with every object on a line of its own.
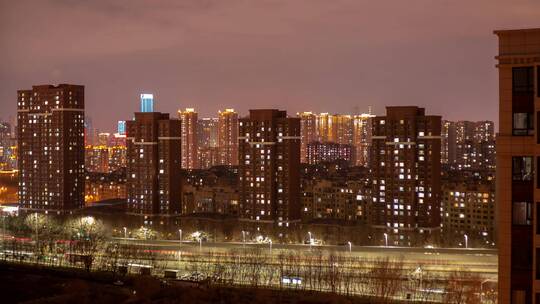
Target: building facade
[
  {"x": 269, "y": 165},
  {"x": 50, "y": 128},
  {"x": 518, "y": 210},
  {"x": 406, "y": 173},
  {"x": 153, "y": 182}
]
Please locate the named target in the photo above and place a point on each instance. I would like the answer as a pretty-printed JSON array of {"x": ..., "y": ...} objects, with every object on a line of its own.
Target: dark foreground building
[
  {"x": 50, "y": 133},
  {"x": 406, "y": 173},
  {"x": 517, "y": 194},
  {"x": 153, "y": 166},
  {"x": 269, "y": 169}
]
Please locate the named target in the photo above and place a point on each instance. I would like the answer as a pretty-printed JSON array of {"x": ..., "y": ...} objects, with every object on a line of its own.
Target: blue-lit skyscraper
[
  {"x": 122, "y": 127},
  {"x": 147, "y": 103}
]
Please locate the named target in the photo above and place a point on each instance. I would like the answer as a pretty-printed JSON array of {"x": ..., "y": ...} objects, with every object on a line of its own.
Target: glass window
[
  {"x": 523, "y": 124},
  {"x": 521, "y": 213},
  {"x": 522, "y": 169},
  {"x": 522, "y": 80},
  {"x": 538, "y": 83}
]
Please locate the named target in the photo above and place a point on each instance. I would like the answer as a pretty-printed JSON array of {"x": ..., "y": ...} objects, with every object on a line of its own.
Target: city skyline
[{"x": 326, "y": 51}]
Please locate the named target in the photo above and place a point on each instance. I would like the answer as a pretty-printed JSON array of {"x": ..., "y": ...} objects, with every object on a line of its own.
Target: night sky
[{"x": 323, "y": 56}]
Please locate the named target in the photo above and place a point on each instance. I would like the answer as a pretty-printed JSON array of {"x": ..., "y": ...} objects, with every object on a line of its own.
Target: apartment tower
[
  {"x": 50, "y": 133},
  {"x": 153, "y": 165},
  {"x": 269, "y": 168},
  {"x": 228, "y": 137},
  {"x": 190, "y": 140},
  {"x": 406, "y": 173}
]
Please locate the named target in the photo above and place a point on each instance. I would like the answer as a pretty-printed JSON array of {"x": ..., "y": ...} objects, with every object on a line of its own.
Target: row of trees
[{"x": 84, "y": 242}]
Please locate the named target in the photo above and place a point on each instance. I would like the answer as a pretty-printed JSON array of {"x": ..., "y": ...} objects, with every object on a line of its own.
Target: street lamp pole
[
  {"x": 466, "y": 241},
  {"x": 386, "y": 239},
  {"x": 270, "y": 246},
  {"x": 309, "y": 234},
  {"x": 350, "y": 246},
  {"x": 180, "y": 233}
]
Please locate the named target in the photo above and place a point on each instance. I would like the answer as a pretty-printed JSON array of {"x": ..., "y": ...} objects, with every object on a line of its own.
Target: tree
[
  {"x": 87, "y": 235},
  {"x": 44, "y": 230}
]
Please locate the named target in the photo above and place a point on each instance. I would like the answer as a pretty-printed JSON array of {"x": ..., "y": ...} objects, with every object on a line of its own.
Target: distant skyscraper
[
  {"x": 228, "y": 137},
  {"x": 51, "y": 148},
  {"x": 308, "y": 132},
  {"x": 6, "y": 146},
  {"x": 153, "y": 165},
  {"x": 362, "y": 137},
  {"x": 147, "y": 103},
  {"x": 189, "y": 138},
  {"x": 518, "y": 160},
  {"x": 269, "y": 168},
  {"x": 406, "y": 173},
  {"x": 122, "y": 127}
]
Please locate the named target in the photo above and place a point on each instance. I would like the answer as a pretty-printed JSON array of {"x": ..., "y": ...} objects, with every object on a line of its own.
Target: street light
[
  {"x": 309, "y": 234},
  {"x": 270, "y": 246},
  {"x": 350, "y": 246},
  {"x": 386, "y": 239},
  {"x": 466, "y": 241},
  {"x": 125, "y": 233},
  {"x": 180, "y": 233}
]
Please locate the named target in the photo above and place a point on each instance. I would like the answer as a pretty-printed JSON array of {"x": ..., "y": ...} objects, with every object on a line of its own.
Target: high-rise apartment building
[
  {"x": 190, "y": 141},
  {"x": 406, "y": 173},
  {"x": 269, "y": 169},
  {"x": 308, "y": 132},
  {"x": 147, "y": 102},
  {"x": 448, "y": 142},
  {"x": 50, "y": 122},
  {"x": 153, "y": 165},
  {"x": 228, "y": 137},
  {"x": 362, "y": 138},
  {"x": 518, "y": 139}
]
